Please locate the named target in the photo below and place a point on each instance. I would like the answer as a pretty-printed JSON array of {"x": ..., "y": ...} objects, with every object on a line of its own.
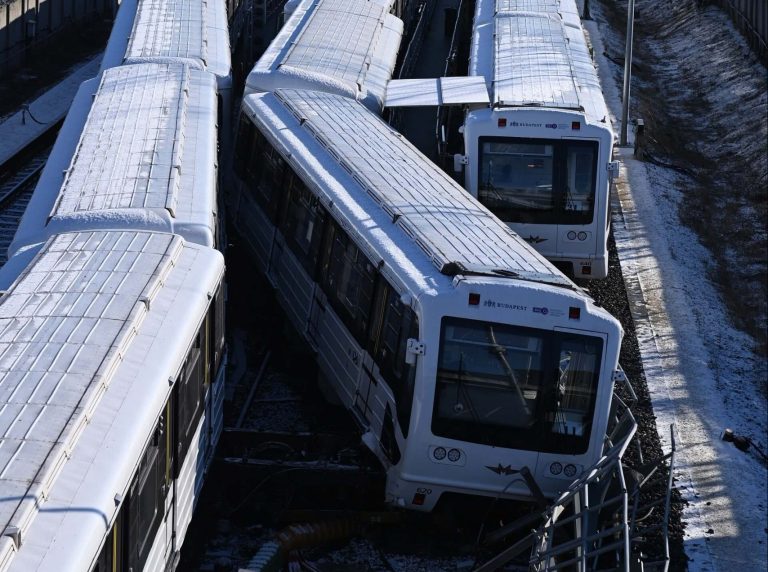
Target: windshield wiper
[
  {"x": 460, "y": 389},
  {"x": 500, "y": 350}
]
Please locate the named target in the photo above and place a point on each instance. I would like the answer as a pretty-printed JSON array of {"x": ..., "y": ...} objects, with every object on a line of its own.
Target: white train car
[
  {"x": 111, "y": 368},
  {"x": 136, "y": 151},
  {"x": 192, "y": 32},
  {"x": 539, "y": 155},
  {"x": 346, "y": 47},
  {"x": 461, "y": 351}
]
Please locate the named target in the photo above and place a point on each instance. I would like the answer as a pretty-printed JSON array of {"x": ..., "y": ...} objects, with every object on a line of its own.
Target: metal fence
[{"x": 751, "y": 17}]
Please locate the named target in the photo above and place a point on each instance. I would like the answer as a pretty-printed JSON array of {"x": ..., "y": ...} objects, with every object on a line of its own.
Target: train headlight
[
  {"x": 439, "y": 453},
  {"x": 569, "y": 470},
  {"x": 572, "y": 235},
  {"x": 556, "y": 468},
  {"x": 454, "y": 455},
  {"x": 582, "y": 235}
]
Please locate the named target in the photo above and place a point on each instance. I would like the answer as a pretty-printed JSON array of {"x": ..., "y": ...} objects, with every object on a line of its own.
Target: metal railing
[{"x": 608, "y": 519}]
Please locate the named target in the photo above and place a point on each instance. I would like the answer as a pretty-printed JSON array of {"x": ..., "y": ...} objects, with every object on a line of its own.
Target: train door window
[
  {"x": 580, "y": 162},
  {"x": 349, "y": 282},
  {"x": 111, "y": 557},
  {"x": 216, "y": 337},
  {"x": 189, "y": 397},
  {"x": 576, "y": 391},
  {"x": 407, "y": 375},
  {"x": 206, "y": 353},
  {"x": 304, "y": 223},
  {"x": 399, "y": 323},
  {"x": 146, "y": 501},
  {"x": 387, "y": 440},
  {"x": 378, "y": 309},
  {"x": 219, "y": 120}
]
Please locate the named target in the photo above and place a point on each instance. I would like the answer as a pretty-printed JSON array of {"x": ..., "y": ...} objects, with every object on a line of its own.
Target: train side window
[
  {"x": 189, "y": 401},
  {"x": 146, "y": 502},
  {"x": 304, "y": 222},
  {"x": 269, "y": 190},
  {"x": 254, "y": 168},
  {"x": 349, "y": 281},
  {"x": 246, "y": 132}
]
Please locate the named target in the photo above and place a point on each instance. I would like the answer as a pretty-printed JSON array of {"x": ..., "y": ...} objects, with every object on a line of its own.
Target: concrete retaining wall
[{"x": 29, "y": 24}]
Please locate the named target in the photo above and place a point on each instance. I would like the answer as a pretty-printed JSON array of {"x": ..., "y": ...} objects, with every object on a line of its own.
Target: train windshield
[
  {"x": 522, "y": 388},
  {"x": 538, "y": 181}
]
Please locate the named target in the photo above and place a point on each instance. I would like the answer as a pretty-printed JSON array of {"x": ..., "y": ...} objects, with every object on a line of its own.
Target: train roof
[
  {"x": 81, "y": 323},
  {"x": 415, "y": 201},
  {"x": 194, "y": 32},
  {"x": 533, "y": 53},
  {"x": 138, "y": 150},
  {"x": 348, "y": 47}
]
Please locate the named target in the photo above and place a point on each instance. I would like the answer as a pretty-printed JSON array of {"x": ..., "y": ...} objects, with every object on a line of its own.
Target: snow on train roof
[
  {"x": 65, "y": 324},
  {"x": 347, "y": 47},
  {"x": 538, "y": 57},
  {"x": 158, "y": 30},
  {"x": 149, "y": 142},
  {"x": 456, "y": 232}
]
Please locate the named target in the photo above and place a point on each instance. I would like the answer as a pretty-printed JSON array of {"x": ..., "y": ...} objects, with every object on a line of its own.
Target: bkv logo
[{"x": 503, "y": 470}]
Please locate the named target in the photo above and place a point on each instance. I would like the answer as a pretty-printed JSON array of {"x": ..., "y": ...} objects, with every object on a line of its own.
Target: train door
[
  {"x": 382, "y": 371},
  {"x": 583, "y": 400},
  {"x": 583, "y": 198},
  {"x": 375, "y": 400},
  {"x": 366, "y": 399}
]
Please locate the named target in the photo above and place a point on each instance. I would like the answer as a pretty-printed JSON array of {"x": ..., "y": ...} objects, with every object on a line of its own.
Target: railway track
[
  {"x": 15, "y": 192},
  {"x": 18, "y": 177}
]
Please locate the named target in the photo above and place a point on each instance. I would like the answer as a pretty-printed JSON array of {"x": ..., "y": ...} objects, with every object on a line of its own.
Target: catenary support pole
[{"x": 627, "y": 73}]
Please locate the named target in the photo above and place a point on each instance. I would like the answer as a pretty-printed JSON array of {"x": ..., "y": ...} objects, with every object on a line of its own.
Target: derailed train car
[{"x": 465, "y": 356}]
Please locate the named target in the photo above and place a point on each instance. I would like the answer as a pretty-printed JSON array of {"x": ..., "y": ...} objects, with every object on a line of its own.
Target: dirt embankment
[{"x": 704, "y": 99}]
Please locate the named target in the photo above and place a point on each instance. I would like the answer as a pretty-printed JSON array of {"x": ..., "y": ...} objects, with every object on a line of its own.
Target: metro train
[
  {"x": 538, "y": 152},
  {"x": 347, "y": 47},
  {"x": 112, "y": 310},
  {"x": 472, "y": 365}
]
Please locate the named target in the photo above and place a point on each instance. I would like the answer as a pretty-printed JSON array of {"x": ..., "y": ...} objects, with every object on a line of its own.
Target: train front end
[
  {"x": 509, "y": 380},
  {"x": 547, "y": 174}
]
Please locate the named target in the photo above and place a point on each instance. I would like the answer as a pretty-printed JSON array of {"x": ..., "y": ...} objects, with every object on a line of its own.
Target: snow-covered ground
[{"x": 701, "y": 371}]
